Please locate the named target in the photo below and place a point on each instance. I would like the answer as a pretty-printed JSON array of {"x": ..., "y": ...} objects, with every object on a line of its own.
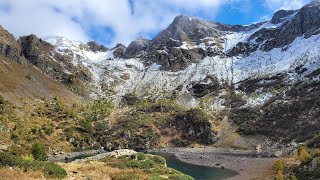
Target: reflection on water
[{"x": 197, "y": 172}]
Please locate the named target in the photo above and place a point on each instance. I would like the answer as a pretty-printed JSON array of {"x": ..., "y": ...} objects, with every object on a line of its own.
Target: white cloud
[
  {"x": 74, "y": 19},
  {"x": 79, "y": 19},
  {"x": 23, "y": 17},
  {"x": 285, "y": 4}
]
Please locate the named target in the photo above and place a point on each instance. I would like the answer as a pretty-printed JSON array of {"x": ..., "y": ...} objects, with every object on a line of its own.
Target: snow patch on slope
[{"x": 301, "y": 52}]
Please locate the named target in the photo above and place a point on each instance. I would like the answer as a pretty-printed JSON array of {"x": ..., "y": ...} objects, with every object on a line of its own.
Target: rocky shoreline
[{"x": 245, "y": 162}]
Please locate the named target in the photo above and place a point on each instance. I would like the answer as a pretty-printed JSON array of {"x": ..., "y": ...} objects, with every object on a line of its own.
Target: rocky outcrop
[
  {"x": 94, "y": 47},
  {"x": 9, "y": 46},
  {"x": 290, "y": 114},
  {"x": 302, "y": 23},
  {"x": 32, "y": 48},
  {"x": 136, "y": 48},
  {"x": 115, "y": 153},
  {"x": 202, "y": 88},
  {"x": 196, "y": 126},
  {"x": 59, "y": 66},
  {"x": 281, "y": 15},
  {"x": 119, "y": 50}
]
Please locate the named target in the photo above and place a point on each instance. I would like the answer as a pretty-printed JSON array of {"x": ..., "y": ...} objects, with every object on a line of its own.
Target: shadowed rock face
[
  {"x": 205, "y": 87},
  {"x": 187, "y": 29},
  {"x": 32, "y": 47},
  {"x": 9, "y": 46},
  {"x": 119, "y": 50},
  {"x": 93, "y": 46},
  {"x": 280, "y": 15},
  {"x": 136, "y": 48}
]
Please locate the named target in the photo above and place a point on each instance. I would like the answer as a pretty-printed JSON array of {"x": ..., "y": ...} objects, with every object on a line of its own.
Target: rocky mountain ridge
[{"x": 241, "y": 72}]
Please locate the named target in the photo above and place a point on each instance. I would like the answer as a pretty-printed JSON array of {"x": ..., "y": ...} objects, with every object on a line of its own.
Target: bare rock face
[
  {"x": 115, "y": 153},
  {"x": 242, "y": 48},
  {"x": 280, "y": 15},
  {"x": 184, "y": 29},
  {"x": 60, "y": 67},
  {"x": 204, "y": 87},
  {"x": 119, "y": 50},
  {"x": 93, "y": 46},
  {"x": 136, "y": 48},
  {"x": 196, "y": 126},
  {"x": 32, "y": 47},
  {"x": 9, "y": 46},
  {"x": 302, "y": 23}
]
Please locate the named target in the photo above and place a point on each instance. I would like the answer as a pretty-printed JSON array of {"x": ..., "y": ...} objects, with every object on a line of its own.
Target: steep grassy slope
[{"x": 19, "y": 82}]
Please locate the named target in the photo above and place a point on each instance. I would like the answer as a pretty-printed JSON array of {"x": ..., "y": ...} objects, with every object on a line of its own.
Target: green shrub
[
  {"x": 48, "y": 128},
  {"x": 38, "y": 152},
  {"x": 54, "y": 171},
  {"x": 59, "y": 106},
  {"x": 141, "y": 164},
  {"x": 102, "y": 107},
  {"x": 86, "y": 125},
  {"x": 70, "y": 112},
  {"x": 155, "y": 177},
  {"x": 294, "y": 178},
  {"x": 49, "y": 169},
  {"x": 141, "y": 156},
  {"x": 14, "y": 136},
  {"x": 158, "y": 159},
  {"x": 36, "y": 130},
  {"x": 101, "y": 127},
  {"x": 2, "y": 101},
  {"x": 11, "y": 160},
  {"x": 40, "y": 111}
]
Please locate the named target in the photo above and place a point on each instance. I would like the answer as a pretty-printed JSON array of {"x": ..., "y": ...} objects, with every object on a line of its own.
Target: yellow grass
[{"x": 7, "y": 173}]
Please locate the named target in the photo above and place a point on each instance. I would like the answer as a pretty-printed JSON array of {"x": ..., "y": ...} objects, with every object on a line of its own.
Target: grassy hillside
[{"x": 20, "y": 82}]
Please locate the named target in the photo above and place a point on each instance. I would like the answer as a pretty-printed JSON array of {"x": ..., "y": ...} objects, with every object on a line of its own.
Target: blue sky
[{"x": 111, "y": 21}]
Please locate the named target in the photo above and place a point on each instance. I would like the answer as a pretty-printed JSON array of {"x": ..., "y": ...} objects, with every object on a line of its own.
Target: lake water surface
[{"x": 197, "y": 172}]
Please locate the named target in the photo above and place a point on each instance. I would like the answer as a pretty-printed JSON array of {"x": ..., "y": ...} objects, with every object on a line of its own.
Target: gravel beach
[{"x": 241, "y": 161}]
